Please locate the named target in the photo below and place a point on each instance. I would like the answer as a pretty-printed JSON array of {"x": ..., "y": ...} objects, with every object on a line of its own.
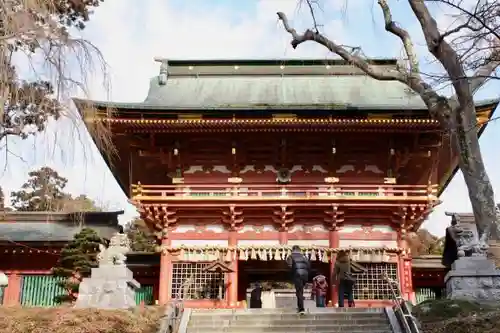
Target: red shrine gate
[
  {"x": 244, "y": 159},
  {"x": 254, "y": 250}
]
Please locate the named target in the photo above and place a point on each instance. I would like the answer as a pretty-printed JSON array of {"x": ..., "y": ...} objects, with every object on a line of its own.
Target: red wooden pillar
[
  {"x": 333, "y": 236},
  {"x": 232, "y": 298},
  {"x": 283, "y": 237},
  {"x": 408, "y": 280},
  {"x": 404, "y": 268},
  {"x": 165, "y": 283},
  {"x": 12, "y": 293}
]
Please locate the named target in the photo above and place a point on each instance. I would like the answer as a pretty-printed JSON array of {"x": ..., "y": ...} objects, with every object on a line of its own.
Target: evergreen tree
[
  {"x": 141, "y": 238},
  {"x": 423, "y": 243},
  {"x": 75, "y": 263},
  {"x": 81, "y": 203},
  {"x": 2, "y": 199},
  {"x": 42, "y": 192}
]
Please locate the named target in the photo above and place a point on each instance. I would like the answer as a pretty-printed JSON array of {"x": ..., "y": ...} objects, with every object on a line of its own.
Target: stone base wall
[
  {"x": 109, "y": 287},
  {"x": 473, "y": 279},
  {"x": 285, "y": 298},
  {"x": 494, "y": 252}
]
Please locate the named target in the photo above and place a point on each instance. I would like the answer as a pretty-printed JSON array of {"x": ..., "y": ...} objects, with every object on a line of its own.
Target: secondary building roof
[
  {"x": 427, "y": 262},
  {"x": 41, "y": 227}
]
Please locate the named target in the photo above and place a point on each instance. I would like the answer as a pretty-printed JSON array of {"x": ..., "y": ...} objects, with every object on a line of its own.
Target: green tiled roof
[
  {"x": 271, "y": 84},
  {"x": 47, "y": 232},
  {"x": 54, "y": 227},
  {"x": 279, "y": 92}
]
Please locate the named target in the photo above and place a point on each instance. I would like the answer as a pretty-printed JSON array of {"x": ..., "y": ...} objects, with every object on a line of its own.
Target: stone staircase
[{"x": 327, "y": 320}]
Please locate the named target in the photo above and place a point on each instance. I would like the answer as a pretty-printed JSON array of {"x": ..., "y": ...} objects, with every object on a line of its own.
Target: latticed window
[
  {"x": 200, "y": 284},
  {"x": 424, "y": 294},
  {"x": 370, "y": 284}
]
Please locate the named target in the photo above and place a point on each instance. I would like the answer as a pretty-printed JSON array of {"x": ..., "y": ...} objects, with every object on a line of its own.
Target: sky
[{"x": 130, "y": 33}]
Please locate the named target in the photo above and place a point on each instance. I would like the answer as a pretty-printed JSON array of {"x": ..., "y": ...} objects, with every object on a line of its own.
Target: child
[{"x": 320, "y": 288}]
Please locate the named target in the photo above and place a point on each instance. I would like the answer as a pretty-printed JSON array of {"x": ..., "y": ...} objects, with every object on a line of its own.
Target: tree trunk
[
  {"x": 471, "y": 163},
  {"x": 456, "y": 115},
  {"x": 463, "y": 121}
]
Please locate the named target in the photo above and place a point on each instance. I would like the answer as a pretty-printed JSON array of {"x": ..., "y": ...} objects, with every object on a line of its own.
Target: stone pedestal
[
  {"x": 473, "y": 279},
  {"x": 109, "y": 287},
  {"x": 285, "y": 298},
  {"x": 494, "y": 252}
]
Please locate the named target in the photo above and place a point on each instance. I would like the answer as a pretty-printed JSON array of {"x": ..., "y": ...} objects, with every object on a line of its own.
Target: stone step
[
  {"x": 326, "y": 320},
  {"x": 291, "y": 322},
  {"x": 287, "y": 327},
  {"x": 331, "y": 329},
  {"x": 210, "y": 312},
  {"x": 284, "y": 317}
]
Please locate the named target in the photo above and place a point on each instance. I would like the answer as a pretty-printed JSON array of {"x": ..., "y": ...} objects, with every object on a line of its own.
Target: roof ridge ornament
[{"x": 162, "y": 77}]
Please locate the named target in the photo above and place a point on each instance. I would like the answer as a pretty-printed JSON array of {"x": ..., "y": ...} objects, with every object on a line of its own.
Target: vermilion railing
[{"x": 254, "y": 191}]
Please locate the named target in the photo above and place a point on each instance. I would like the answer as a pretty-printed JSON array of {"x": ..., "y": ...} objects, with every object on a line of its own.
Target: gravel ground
[
  {"x": 446, "y": 316},
  {"x": 69, "y": 320}
]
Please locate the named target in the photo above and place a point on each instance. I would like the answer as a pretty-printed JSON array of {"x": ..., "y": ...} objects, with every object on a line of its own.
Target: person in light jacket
[
  {"x": 320, "y": 288},
  {"x": 344, "y": 278},
  {"x": 268, "y": 297},
  {"x": 300, "y": 268}
]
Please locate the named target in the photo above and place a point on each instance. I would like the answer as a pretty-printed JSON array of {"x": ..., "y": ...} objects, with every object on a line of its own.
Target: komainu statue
[
  {"x": 460, "y": 242},
  {"x": 111, "y": 285},
  {"x": 115, "y": 253}
]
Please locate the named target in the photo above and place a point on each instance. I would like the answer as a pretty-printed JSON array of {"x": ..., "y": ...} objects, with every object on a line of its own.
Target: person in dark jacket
[
  {"x": 300, "y": 267},
  {"x": 320, "y": 288},
  {"x": 450, "y": 251},
  {"x": 256, "y": 297}
]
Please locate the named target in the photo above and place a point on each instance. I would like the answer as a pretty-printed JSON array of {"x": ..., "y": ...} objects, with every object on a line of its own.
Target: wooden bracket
[
  {"x": 233, "y": 217},
  {"x": 283, "y": 217},
  {"x": 334, "y": 217},
  {"x": 400, "y": 218},
  {"x": 160, "y": 217}
]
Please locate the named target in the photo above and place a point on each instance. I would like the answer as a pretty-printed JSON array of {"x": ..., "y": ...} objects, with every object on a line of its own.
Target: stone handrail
[
  {"x": 402, "y": 310},
  {"x": 172, "y": 317},
  {"x": 175, "y": 309}
]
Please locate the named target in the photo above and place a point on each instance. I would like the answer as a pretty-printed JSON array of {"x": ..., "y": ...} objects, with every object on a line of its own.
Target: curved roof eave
[
  {"x": 158, "y": 107},
  {"x": 486, "y": 103}
]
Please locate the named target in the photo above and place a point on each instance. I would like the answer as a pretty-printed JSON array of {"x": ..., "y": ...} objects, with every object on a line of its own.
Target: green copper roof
[
  {"x": 54, "y": 226},
  {"x": 280, "y": 92},
  {"x": 271, "y": 85}
]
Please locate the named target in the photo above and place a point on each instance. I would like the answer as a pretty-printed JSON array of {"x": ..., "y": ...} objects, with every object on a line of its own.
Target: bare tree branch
[
  {"x": 393, "y": 28},
  {"x": 447, "y": 55},
  {"x": 457, "y": 114},
  {"x": 433, "y": 101},
  {"x": 464, "y": 118},
  {"x": 483, "y": 74},
  {"x": 309, "y": 35}
]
